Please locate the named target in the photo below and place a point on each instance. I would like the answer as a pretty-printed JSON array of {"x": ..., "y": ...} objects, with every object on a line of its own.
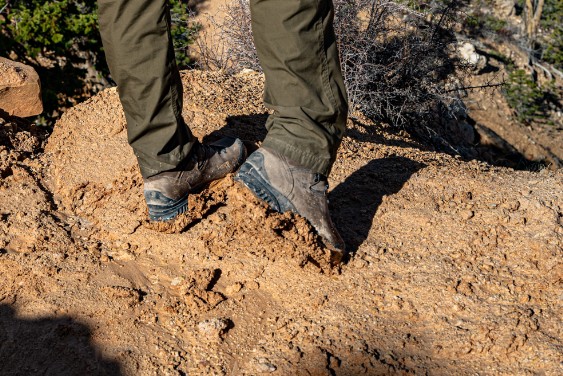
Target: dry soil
[{"x": 455, "y": 266}]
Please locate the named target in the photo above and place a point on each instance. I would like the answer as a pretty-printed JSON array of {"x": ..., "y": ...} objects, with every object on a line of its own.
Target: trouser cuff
[
  {"x": 318, "y": 164},
  {"x": 150, "y": 166}
]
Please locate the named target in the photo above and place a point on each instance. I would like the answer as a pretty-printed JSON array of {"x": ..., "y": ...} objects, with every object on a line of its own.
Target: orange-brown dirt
[{"x": 456, "y": 265}]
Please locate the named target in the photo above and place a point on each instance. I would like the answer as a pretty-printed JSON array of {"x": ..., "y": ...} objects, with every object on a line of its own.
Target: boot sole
[
  {"x": 249, "y": 176},
  {"x": 162, "y": 213}
]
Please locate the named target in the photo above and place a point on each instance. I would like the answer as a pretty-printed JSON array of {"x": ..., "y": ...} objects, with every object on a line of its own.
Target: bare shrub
[
  {"x": 398, "y": 60},
  {"x": 398, "y": 63},
  {"x": 231, "y": 47}
]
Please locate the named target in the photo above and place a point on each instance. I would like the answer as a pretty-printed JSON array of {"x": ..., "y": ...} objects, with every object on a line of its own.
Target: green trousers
[{"x": 297, "y": 49}]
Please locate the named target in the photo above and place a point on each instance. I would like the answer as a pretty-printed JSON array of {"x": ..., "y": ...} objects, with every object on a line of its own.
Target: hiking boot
[
  {"x": 286, "y": 186},
  {"x": 167, "y": 193}
]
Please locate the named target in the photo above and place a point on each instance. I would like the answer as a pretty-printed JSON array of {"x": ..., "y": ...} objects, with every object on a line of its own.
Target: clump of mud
[
  {"x": 200, "y": 204},
  {"x": 26, "y": 213},
  {"x": 254, "y": 228}
]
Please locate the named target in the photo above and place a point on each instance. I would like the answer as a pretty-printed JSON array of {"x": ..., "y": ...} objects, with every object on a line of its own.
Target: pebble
[
  {"x": 467, "y": 214},
  {"x": 264, "y": 365},
  {"x": 511, "y": 205},
  {"x": 234, "y": 288},
  {"x": 252, "y": 285},
  {"x": 214, "y": 328}
]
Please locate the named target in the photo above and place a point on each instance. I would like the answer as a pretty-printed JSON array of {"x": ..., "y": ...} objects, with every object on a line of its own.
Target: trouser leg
[
  {"x": 297, "y": 49},
  {"x": 140, "y": 55}
]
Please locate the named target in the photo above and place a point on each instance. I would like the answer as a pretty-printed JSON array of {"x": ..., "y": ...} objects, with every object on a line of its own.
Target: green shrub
[
  {"x": 478, "y": 23},
  {"x": 184, "y": 32},
  {"x": 550, "y": 48},
  {"x": 64, "y": 36},
  {"x": 552, "y": 14},
  {"x": 552, "y": 41},
  {"x": 525, "y": 97},
  {"x": 55, "y": 26},
  {"x": 60, "y": 40},
  {"x": 495, "y": 24},
  {"x": 553, "y": 52},
  {"x": 60, "y": 27}
]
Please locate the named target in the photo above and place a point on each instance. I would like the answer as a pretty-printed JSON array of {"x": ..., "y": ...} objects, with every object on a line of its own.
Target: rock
[
  {"x": 468, "y": 53},
  {"x": 247, "y": 71},
  {"x": 467, "y": 214},
  {"x": 511, "y": 205},
  {"x": 263, "y": 365},
  {"x": 20, "y": 89},
  {"x": 233, "y": 289},
  {"x": 214, "y": 329},
  {"x": 252, "y": 285}
]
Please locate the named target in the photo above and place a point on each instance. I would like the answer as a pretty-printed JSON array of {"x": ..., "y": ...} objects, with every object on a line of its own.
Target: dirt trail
[{"x": 456, "y": 266}]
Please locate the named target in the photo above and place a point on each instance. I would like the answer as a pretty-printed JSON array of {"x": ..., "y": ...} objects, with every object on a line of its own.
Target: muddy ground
[{"x": 456, "y": 265}]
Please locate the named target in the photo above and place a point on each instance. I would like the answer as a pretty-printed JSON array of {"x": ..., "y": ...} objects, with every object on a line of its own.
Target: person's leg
[
  {"x": 297, "y": 49},
  {"x": 140, "y": 55}
]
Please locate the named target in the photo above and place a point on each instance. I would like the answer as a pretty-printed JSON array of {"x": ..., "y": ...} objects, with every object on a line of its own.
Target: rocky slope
[{"x": 456, "y": 265}]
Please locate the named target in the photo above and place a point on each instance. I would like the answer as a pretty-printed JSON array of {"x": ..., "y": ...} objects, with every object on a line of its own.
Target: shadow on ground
[
  {"x": 249, "y": 128},
  {"x": 49, "y": 346},
  {"x": 360, "y": 195},
  {"x": 489, "y": 147}
]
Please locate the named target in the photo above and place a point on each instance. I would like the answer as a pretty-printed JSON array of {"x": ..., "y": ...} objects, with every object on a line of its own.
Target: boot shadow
[{"x": 354, "y": 202}]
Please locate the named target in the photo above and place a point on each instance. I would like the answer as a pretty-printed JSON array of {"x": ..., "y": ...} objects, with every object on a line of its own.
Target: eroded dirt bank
[{"x": 456, "y": 266}]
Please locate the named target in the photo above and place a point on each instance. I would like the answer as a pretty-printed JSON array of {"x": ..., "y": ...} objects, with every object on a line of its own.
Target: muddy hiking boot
[
  {"x": 288, "y": 187},
  {"x": 167, "y": 193}
]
